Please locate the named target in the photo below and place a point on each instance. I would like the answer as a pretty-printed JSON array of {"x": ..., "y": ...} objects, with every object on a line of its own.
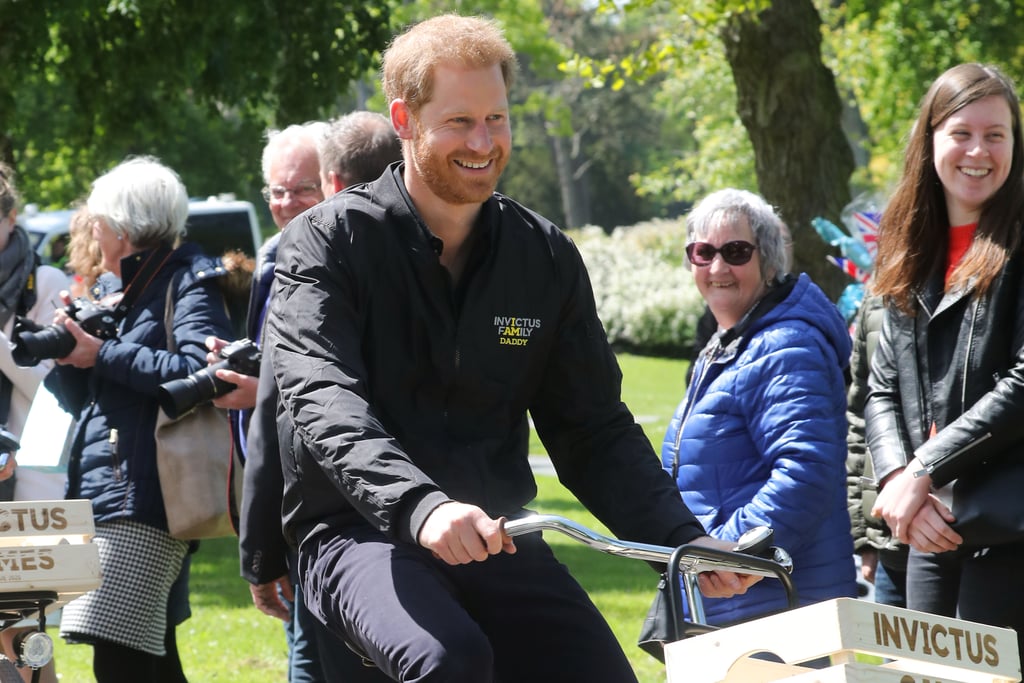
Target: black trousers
[
  {"x": 510, "y": 619},
  {"x": 981, "y": 586}
]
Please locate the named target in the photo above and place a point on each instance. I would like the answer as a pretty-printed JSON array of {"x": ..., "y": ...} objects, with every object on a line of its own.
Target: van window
[{"x": 222, "y": 231}]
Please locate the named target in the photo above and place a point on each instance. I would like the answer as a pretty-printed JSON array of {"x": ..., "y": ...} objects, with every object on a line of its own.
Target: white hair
[
  {"x": 309, "y": 135},
  {"x": 141, "y": 199}
]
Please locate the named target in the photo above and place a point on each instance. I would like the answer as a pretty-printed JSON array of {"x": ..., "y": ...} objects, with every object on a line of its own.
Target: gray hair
[
  {"x": 141, "y": 199},
  {"x": 358, "y": 147},
  {"x": 769, "y": 232},
  {"x": 306, "y": 135}
]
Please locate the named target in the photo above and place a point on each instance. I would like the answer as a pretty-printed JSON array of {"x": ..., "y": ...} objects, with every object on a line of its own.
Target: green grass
[
  {"x": 227, "y": 639},
  {"x": 652, "y": 388}
]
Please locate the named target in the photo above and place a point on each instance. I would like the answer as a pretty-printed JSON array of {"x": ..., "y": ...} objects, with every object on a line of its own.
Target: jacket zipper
[
  {"x": 930, "y": 468},
  {"x": 963, "y": 397},
  {"x": 967, "y": 358},
  {"x": 112, "y": 440},
  {"x": 710, "y": 358}
]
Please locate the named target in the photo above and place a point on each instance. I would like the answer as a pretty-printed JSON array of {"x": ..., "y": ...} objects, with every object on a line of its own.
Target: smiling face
[
  {"x": 973, "y": 151},
  {"x": 730, "y": 291},
  {"x": 295, "y": 169},
  {"x": 459, "y": 141}
]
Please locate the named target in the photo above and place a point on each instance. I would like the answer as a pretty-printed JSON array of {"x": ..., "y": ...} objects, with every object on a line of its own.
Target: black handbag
[
  {"x": 658, "y": 627},
  {"x": 664, "y": 622},
  {"x": 989, "y": 505}
]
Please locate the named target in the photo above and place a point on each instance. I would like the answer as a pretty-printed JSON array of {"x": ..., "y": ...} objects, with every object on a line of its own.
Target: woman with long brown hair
[{"x": 947, "y": 383}]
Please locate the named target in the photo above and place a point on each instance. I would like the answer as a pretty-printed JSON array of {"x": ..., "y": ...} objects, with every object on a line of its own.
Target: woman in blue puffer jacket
[
  {"x": 109, "y": 383},
  {"x": 760, "y": 438}
]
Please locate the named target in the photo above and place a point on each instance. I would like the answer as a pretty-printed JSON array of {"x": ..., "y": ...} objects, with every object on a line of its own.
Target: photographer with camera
[
  {"x": 31, "y": 290},
  {"x": 109, "y": 383}
]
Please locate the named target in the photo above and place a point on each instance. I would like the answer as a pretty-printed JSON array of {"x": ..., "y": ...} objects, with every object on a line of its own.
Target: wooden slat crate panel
[
  {"x": 924, "y": 644},
  {"x": 46, "y": 546}
]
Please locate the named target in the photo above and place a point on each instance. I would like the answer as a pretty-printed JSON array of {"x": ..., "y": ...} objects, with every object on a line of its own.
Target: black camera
[
  {"x": 33, "y": 343},
  {"x": 179, "y": 396}
]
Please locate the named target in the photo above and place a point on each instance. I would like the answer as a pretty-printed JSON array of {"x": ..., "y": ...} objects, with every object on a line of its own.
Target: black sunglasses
[{"x": 735, "y": 253}]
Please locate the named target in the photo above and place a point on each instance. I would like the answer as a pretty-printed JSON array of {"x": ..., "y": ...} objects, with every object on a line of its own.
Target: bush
[{"x": 645, "y": 294}]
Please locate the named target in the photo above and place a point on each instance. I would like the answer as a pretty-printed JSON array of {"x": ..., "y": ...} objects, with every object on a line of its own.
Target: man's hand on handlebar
[
  {"x": 720, "y": 583},
  {"x": 459, "y": 534}
]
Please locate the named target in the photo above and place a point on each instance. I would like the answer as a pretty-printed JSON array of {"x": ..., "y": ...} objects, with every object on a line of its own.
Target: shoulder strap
[
  {"x": 154, "y": 262},
  {"x": 169, "y": 315}
]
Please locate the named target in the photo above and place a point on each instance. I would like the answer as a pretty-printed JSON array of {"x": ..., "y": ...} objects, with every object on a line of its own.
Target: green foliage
[
  {"x": 706, "y": 147},
  {"x": 645, "y": 295},
  {"x": 88, "y": 82},
  {"x": 702, "y": 143}
]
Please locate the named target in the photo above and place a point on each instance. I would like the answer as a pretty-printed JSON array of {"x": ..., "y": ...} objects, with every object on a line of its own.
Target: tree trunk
[
  {"x": 788, "y": 102},
  {"x": 571, "y": 184}
]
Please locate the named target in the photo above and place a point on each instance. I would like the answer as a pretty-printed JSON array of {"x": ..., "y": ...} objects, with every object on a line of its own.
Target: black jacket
[
  {"x": 113, "y": 453},
  {"x": 400, "y": 392},
  {"x": 959, "y": 363},
  {"x": 263, "y": 550}
]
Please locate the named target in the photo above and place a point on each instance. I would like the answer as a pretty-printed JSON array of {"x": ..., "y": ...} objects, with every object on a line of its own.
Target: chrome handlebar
[{"x": 693, "y": 560}]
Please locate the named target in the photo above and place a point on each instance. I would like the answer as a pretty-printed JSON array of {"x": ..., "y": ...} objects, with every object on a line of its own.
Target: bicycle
[
  {"x": 685, "y": 562},
  {"x": 753, "y": 554}
]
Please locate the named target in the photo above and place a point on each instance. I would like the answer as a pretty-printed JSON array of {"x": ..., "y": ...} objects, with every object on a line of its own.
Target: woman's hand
[
  {"x": 720, "y": 583},
  {"x": 87, "y": 347},
  {"x": 930, "y": 530},
  {"x": 901, "y": 498},
  {"x": 922, "y": 519}
]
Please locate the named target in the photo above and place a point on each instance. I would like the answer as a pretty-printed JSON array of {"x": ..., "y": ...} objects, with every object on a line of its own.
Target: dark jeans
[
  {"x": 890, "y": 586},
  {"x": 982, "y": 586},
  {"x": 509, "y": 619}
]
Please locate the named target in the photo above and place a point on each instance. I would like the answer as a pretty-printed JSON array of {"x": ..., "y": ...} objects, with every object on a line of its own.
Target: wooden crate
[
  {"x": 46, "y": 546},
  {"x": 916, "y": 648}
]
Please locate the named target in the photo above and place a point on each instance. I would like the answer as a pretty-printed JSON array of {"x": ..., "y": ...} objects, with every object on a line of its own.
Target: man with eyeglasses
[
  {"x": 301, "y": 164},
  {"x": 291, "y": 171}
]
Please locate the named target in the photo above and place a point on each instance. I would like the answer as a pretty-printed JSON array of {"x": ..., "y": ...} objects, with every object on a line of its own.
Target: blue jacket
[
  {"x": 764, "y": 442},
  {"x": 117, "y": 472}
]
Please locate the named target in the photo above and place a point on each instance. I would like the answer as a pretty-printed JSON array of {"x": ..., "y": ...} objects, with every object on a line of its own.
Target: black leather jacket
[{"x": 958, "y": 364}]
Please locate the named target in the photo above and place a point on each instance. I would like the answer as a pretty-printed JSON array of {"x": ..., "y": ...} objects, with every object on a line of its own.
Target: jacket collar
[
  {"x": 728, "y": 340},
  {"x": 935, "y": 300},
  {"x": 413, "y": 227}
]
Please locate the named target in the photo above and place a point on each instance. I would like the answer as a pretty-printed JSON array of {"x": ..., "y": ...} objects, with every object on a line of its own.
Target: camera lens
[
  {"x": 50, "y": 342},
  {"x": 179, "y": 396}
]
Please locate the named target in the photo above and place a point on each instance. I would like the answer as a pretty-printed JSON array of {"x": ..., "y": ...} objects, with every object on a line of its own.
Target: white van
[{"x": 218, "y": 225}]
